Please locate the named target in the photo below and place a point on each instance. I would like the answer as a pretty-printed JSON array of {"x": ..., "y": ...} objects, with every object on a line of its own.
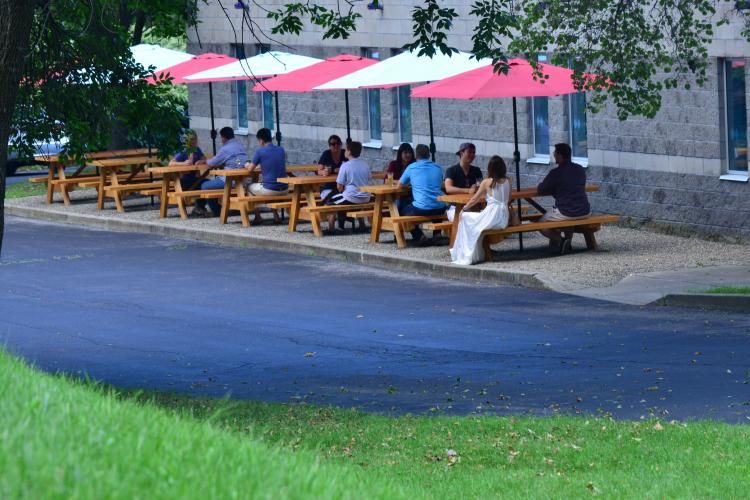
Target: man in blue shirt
[
  {"x": 426, "y": 179},
  {"x": 232, "y": 155},
  {"x": 270, "y": 160}
]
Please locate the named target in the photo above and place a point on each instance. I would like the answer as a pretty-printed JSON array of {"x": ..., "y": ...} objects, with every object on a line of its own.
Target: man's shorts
[
  {"x": 257, "y": 189},
  {"x": 555, "y": 214}
]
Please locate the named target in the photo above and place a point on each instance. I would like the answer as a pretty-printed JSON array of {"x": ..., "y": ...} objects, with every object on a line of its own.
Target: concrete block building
[{"x": 687, "y": 167}]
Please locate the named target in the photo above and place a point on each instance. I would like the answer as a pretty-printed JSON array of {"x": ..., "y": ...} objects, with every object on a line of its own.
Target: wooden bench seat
[
  {"x": 326, "y": 209},
  {"x": 34, "y": 180},
  {"x": 587, "y": 227},
  {"x": 246, "y": 203}
]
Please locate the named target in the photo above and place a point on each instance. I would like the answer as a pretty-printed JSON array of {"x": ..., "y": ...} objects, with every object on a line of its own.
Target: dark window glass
[
  {"x": 734, "y": 74},
  {"x": 372, "y": 98}
]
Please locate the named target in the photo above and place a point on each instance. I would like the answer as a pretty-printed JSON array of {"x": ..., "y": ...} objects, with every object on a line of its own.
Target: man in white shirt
[{"x": 353, "y": 173}]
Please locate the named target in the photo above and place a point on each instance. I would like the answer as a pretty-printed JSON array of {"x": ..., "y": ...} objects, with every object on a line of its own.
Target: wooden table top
[
  {"x": 122, "y": 162},
  {"x": 173, "y": 169},
  {"x": 307, "y": 180},
  {"x": 99, "y": 155},
  {"x": 384, "y": 188},
  {"x": 464, "y": 198}
]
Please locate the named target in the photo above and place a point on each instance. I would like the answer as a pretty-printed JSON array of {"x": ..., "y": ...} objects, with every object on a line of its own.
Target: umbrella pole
[
  {"x": 432, "y": 132},
  {"x": 278, "y": 124},
  {"x": 348, "y": 125},
  {"x": 517, "y": 161},
  {"x": 213, "y": 125}
]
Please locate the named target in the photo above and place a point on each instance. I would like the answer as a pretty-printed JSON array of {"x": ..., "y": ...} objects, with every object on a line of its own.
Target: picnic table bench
[
  {"x": 529, "y": 222},
  {"x": 58, "y": 180}
]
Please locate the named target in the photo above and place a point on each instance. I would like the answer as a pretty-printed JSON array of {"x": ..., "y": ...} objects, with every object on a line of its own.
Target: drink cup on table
[{"x": 391, "y": 180}]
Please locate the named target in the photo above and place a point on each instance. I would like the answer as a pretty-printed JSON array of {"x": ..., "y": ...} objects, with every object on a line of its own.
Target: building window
[
  {"x": 540, "y": 120},
  {"x": 736, "y": 115},
  {"x": 241, "y": 93},
  {"x": 578, "y": 130},
  {"x": 372, "y": 102},
  {"x": 265, "y": 102},
  {"x": 404, "y": 113}
]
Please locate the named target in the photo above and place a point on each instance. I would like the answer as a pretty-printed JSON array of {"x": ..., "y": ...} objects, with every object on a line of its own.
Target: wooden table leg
[
  {"x": 50, "y": 186},
  {"x": 377, "y": 219},
  {"x": 398, "y": 229},
  {"x": 314, "y": 217},
  {"x": 456, "y": 220},
  {"x": 165, "y": 181},
  {"x": 63, "y": 187},
  {"x": 225, "y": 201},
  {"x": 102, "y": 187},
  {"x": 294, "y": 209}
]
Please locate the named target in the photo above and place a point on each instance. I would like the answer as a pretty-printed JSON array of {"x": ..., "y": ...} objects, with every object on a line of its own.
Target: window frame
[
  {"x": 372, "y": 142},
  {"x": 732, "y": 174},
  {"x": 240, "y": 89},
  {"x": 263, "y": 96}
]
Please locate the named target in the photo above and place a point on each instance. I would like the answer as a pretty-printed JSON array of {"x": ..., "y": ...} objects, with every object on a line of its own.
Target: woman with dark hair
[
  {"x": 404, "y": 158},
  {"x": 330, "y": 163},
  {"x": 496, "y": 190}
]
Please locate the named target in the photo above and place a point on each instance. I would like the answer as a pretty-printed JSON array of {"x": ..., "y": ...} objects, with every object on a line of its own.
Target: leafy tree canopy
[
  {"x": 79, "y": 81},
  {"x": 637, "y": 47}
]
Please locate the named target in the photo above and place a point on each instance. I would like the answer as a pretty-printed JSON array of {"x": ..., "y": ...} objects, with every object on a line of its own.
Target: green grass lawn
[
  {"x": 22, "y": 189},
  {"x": 62, "y": 438},
  {"x": 734, "y": 290}
]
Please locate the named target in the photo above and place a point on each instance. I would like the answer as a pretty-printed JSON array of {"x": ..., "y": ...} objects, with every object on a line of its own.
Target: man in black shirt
[
  {"x": 567, "y": 184},
  {"x": 463, "y": 177}
]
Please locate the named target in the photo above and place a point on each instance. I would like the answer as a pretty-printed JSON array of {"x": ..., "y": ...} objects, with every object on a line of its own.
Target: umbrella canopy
[
  {"x": 148, "y": 55},
  {"x": 259, "y": 66},
  {"x": 262, "y": 65},
  {"x": 484, "y": 83},
  {"x": 405, "y": 68},
  {"x": 306, "y": 79},
  {"x": 195, "y": 64}
]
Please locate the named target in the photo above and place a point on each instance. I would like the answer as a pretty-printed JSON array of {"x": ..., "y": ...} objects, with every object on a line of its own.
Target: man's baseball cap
[{"x": 464, "y": 146}]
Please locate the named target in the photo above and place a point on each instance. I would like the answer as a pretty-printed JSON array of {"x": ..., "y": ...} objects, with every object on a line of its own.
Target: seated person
[
  {"x": 404, "y": 158},
  {"x": 463, "y": 177},
  {"x": 270, "y": 160},
  {"x": 330, "y": 163},
  {"x": 495, "y": 190},
  {"x": 232, "y": 155},
  {"x": 567, "y": 184},
  {"x": 354, "y": 173},
  {"x": 190, "y": 155},
  {"x": 426, "y": 179}
]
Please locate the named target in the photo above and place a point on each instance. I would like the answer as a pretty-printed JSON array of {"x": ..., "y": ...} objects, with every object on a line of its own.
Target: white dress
[{"x": 465, "y": 250}]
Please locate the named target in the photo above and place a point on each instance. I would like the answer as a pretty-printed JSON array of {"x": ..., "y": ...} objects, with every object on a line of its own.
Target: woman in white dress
[{"x": 496, "y": 189}]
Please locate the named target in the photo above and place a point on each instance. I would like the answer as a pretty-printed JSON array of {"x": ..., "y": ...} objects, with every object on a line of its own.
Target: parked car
[{"x": 42, "y": 149}]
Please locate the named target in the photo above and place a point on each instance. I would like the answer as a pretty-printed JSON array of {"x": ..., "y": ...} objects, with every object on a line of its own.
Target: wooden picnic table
[
  {"x": 109, "y": 184},
  {"x": 56, "y": 170},
  {"x": 235, "y": 177},
  {"x": 528, "y": 194},
  {"x": 170, "y": 184},
  {"x": 305, "y": 188},
  {"x": 385, "y": 198}
]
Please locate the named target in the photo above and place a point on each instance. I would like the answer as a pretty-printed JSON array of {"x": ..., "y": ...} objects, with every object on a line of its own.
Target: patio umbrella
[
  {"x": 404, "y": 69},
  {"x": 306, "y": 79},
  {"x": 484, "y": 83},
  {"x": 148, "y": 55},
  {"x": 265, "y": 65},
  {"x": 195, "y": 64}
]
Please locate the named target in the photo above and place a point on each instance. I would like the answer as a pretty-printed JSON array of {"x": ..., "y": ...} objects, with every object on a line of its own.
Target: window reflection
[{"x": 734, "y": 74}]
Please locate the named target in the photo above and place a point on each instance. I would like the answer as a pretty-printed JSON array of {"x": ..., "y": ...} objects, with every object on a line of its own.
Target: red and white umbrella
[{"x": 306, "y": 79}]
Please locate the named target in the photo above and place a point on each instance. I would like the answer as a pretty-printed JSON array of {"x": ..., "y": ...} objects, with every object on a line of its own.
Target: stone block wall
[{"x": 664, "y": 169}]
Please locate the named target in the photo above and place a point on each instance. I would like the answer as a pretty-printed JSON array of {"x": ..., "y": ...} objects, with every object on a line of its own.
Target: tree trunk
[{"x": 15, "y": 25}]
